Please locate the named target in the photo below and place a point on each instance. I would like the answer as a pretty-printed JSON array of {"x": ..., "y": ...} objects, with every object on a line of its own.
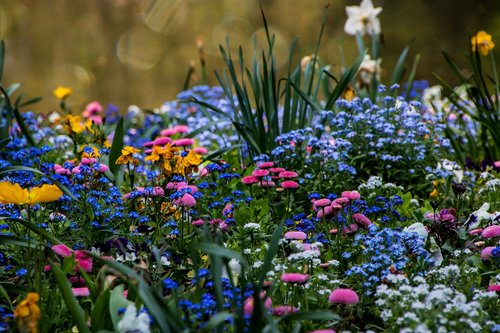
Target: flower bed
[{"x": 214, "y": 213}]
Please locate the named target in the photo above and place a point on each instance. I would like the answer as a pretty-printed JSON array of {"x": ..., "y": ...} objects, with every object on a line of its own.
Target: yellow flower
[
  {"x": 93, "y": 154},
  {"x": 434, "y": 194},
  {"x": 349, "y": 93},
  {"x": 128, "y": 156},
  {"x": 63, "y": 92},
  {"x": 13, "y": 193},
  {"x": 27, "y": 313},
  {"x": 73, "y": 124},
  {"x": 191, "y": 161},
  {"x": 483, "y": 42},
  {"x": 168, "y": 151},
  {"x": 155, "y": 154}
]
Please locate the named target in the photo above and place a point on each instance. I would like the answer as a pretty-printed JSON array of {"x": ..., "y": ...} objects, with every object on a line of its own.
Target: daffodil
[
  {"x": 363, "y": 19},
  {"x": 62, "y": 92},
  {"x": 482, "y": 41},
  {"x": 27, "y": 313},
  {"x": 127, "y": 156},
  {"x": 15, "y": 194}
]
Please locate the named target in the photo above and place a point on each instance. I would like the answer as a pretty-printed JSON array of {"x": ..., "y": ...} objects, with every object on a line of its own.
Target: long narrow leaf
[
  {"x": 116, "y": 148},
  {"x": 34, "y": 228},
  {"x": 74, "y": 308}
]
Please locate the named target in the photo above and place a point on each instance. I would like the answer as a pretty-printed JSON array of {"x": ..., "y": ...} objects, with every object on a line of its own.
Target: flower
[
  {"x": 368, "y": 69},
  {"x": 62, "y": 92},
  {"x": 62, "y": 250},
  {"x": 298, "y": 235},
  {"x": 362, "y": 19},
  {"x": 27, "y": 313},
  {"x": 482, "y": 41},
  {"x": 131, "y": 322},
  {"x": 294, "y": 278},
  {"x": 13, "y": 193},
  {"x": 351, "y": 195},
  {"x": 491, "y": 231},
  {"x": 80, "y": 292},
  {"x": 343, "y": 296},
  {"x": 73, "y": 124},
  {"x": 127, "y": 156},
  {"x": 289, "y": 184}
]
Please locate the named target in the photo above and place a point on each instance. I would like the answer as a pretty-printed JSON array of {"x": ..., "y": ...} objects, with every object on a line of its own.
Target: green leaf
[
  {"x": 166, "y": 320},
  {"x": 116, "y": 148},
  {"x": 116, "y": 302},
  {"x": 74, "y": 308},
  {"x": 217, "y": 320},
  {"x": 271, "y": 253},
  {"x": 399, "y": 69},
  {"x": 344, "y": 81},
  {"x": 312, "y": 315},
  {"x": 34, "y": 228},
  {"x": 17, "y": 241},
  {"x": 220, "y": 251},
  {"x": 100, "y": 312}
]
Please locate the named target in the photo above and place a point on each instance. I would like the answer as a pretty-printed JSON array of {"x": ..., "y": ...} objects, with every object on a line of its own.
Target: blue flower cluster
[{"x": 385, "y": 250}]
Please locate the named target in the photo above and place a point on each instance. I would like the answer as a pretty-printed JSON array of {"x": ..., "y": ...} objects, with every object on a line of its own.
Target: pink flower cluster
[{"x": 267, "y": 174}]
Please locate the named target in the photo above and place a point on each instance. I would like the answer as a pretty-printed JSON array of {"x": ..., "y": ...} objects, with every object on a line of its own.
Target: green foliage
[{"x": 479, "y": 138}]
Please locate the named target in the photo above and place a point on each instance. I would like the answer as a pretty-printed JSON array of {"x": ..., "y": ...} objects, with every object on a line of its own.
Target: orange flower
[
  {"x": 128, "y": 156},
  {"x": 13, "y": 193},
  {"x": 27, "y": 313}
]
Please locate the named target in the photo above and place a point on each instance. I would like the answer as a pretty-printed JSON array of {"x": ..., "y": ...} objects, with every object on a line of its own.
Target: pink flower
[
  {"x": 198, "y": 223},
  {"x": 260, "y": 173},
  {"x": 149, "y": 144},
  {"x": 486, "y": 252},
  {"x": 271, "y": 184},
  {"x": 475, "y": 232},
  {"x": 184, "y": 142},
  {"x": 288, "y": 174},
  {"x": 322, "y": 202},
  {"x": 83, "y": 261},
  {"x": 361, "y": 219},
  {"x": 62, "y": 250},
  {"x": 188, "y": 200},
  {"x": 162, "y": 141},
  {"x": 103, "y": 168},
  {"x": 351, "y": 195},
  {"x": 294, "y": 278},
  {"x": 193, "y": 188},
  {"x": 494, "y": 287},
  {"x": 249, "y": 180},
  {"x": 283, "y": 310},
  {"x": 341, "y": 201},
  {"x": 352, "y": 228},
  {"x": 265, "y": 165},
  {"x": 201, "y": 150},
  {"x": 181, "y": 129},
  {"x": 80, "y": 292},
  {"x": 289, "y": 184},
  {"x": 276, "y": 170},
  {"x": 249, "y": 303},
  {"x": 168, "y": 132},
  {"x": 298, "y": 235},
  {"x": 491, "y": 231},
  {"x": 88, "y": 161},
  {"x": 343, "y": 296},
  {"x": 325, "y": 211},
  {"x": 92, "y": 109}
]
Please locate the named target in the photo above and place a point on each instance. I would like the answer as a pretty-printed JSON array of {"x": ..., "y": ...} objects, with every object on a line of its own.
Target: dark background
[{"x": 138, "y": 52}]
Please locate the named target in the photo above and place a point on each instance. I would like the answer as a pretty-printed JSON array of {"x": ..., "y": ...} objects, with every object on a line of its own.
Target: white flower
[
  {"x": 417, "y": 227},
  {"x": 362, "y": 18},
  {"x": 368, "y": 69},
  {"x": 476, "y": 217},
  {"x": 131, "y": 322}
]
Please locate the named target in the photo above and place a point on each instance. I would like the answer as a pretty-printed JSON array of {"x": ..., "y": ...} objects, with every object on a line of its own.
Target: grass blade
[{"x": 116, "y": 148}]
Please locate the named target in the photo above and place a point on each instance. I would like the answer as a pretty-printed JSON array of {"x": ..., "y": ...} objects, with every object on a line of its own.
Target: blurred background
[{"x": 139, "y": 51}]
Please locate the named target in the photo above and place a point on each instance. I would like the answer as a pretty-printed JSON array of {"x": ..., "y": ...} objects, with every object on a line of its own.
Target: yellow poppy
[
  {"x": 62, "y": 92},
  {"x": 27, "y": 313},
  {"x": 434, "y": 194},
  {"x": 15, "y": 194},
  {"x": 483, "y": 42},
  {"x": 168, "y": 151},
  {"x": 191, "y": 159}
]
